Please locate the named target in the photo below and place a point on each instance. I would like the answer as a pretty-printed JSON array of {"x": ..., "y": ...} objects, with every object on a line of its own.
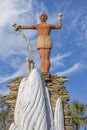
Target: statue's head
[{"x": 43, "y": 16}]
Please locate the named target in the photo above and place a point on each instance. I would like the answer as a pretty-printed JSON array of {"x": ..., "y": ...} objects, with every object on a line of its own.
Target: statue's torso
[{"x": 43, "y": 29}]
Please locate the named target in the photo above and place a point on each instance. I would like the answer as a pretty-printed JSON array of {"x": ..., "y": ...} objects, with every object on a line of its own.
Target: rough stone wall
[
  {"x": 56, "y": 88},
  {"x": 11, "y": 98}
]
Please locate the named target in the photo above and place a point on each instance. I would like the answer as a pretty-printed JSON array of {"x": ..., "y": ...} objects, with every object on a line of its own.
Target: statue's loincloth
[{"x": 44, "y": 42}]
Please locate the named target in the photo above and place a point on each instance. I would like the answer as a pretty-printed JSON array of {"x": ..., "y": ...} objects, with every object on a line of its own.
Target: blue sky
[{"x": 69, "y": 52}]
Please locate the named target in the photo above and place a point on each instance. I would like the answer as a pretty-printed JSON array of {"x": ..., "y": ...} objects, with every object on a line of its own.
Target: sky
[{"x": 69, "y": 52}]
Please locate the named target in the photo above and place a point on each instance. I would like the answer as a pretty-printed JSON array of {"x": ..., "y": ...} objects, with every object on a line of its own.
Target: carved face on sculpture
[{"x": 43, "y": 17}]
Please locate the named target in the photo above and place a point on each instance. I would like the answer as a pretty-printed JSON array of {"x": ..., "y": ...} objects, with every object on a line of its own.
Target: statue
[{"x": 44, "y": 42}]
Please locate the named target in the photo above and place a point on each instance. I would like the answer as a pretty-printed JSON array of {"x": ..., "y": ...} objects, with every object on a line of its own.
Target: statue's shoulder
[
  {"x": 37, "y": 25},
  {"x": 49, "y": 25}
]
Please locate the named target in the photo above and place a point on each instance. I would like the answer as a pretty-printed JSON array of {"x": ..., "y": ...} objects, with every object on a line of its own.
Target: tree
[
  {"x": 78, "y": 114},
  {"x": 4, "y": 112},
  {"x": 84, "y": 122}
]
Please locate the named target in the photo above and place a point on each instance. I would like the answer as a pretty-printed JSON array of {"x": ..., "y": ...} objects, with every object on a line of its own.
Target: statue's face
[{"x": 43, "y": 18}]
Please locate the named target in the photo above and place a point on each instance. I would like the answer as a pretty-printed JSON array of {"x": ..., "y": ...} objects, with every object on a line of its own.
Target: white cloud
[
  {"x": 74, "y": 68},
  {"x": 15, "y": 62},
  {"x": 12, "y": 10},
  {"x": 4, "y": 91},
  {"x": 8, "y": 10},
  {"x": 58, "y": 59},
  {"x": 82, "y": 40},
  {"x": 20, "y": 72},
  {"x": 22, "y": 12},
  {"x": 10, "y": 45}
]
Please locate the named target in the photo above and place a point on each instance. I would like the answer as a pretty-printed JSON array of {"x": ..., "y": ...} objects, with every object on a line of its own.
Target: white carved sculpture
[{"x": 33, "y": 109}]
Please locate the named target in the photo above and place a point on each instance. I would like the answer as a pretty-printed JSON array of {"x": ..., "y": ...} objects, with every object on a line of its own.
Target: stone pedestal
[{"x": 57, "y": 90}]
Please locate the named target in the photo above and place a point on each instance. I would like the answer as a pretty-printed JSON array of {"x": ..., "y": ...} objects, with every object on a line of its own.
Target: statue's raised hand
[{"x": 59, "y": 16}]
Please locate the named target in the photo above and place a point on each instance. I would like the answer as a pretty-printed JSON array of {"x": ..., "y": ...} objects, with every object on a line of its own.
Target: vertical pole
[{"x": 29, "y": 66}]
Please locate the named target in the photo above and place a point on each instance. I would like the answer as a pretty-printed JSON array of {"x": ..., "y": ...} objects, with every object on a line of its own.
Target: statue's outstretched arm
[
  {"x": 17, "y": 27},
  {"x": 59, "y": 25}
]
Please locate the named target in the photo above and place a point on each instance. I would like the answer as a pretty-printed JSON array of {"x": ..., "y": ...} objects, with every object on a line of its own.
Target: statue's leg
[
  {"x": 42, "y": 57},
  {"x": 45, "y": 62}
]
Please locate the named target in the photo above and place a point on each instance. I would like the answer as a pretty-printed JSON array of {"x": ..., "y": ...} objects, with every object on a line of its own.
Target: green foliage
[
  {"x": 78, "y": 114},
  {"x": 4, "y": 112}
]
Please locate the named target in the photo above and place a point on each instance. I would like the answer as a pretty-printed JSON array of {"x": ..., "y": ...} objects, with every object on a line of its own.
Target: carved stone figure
[{"x": 44, "y": 42}]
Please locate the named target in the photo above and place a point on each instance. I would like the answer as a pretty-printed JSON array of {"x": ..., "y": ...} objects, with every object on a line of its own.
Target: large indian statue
[{"x": 44, "y": 42}]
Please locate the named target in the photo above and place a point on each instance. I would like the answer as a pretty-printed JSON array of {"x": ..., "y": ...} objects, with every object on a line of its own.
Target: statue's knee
[{"x": 42, "y": 57}]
